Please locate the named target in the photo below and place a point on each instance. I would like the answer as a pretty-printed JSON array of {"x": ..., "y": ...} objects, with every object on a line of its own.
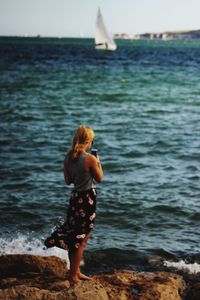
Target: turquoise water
[{"x": 143, "y": 102}]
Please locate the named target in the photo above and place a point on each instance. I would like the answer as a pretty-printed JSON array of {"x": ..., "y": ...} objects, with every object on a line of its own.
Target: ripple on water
[{"x": 145, "y": 114}]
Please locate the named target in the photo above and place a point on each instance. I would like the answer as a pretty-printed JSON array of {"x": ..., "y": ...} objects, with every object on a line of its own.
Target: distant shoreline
[{"x": 167, "y": 35}]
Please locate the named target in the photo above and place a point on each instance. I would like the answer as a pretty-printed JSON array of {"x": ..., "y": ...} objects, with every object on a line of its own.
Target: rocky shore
[{"x": 29, "y": 277}]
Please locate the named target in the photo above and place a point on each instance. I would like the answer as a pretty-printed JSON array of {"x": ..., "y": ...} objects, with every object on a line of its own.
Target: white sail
[{"x": 103, "y": 39}]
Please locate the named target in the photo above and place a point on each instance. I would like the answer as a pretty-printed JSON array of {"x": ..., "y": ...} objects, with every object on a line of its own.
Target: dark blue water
[{"x": 143, "y": 101}]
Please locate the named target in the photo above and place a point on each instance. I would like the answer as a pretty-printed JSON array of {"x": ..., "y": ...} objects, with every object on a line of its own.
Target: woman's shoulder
[
  {"x": 90, "y": 159},
  {"x": 89, "y": 155}
]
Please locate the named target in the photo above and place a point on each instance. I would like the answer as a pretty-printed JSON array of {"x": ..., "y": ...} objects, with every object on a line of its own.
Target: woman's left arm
[{"x": 66, "y": 175}]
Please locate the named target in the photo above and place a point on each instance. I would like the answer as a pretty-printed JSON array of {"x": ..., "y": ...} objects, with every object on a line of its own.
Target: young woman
[{"x": 81, "y": 169}]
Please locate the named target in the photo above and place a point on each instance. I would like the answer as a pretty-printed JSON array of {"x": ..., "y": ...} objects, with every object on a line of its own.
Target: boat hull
[{"x": 105, "y": 46}]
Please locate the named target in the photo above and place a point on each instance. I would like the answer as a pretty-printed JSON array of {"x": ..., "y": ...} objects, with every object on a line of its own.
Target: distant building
[{"x": 171, "y": 35}]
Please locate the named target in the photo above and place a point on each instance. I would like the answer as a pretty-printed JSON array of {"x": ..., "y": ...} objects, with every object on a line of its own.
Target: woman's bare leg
[
  {"x": 81, "y": 275},
  {"x": 75, "y": 259}
]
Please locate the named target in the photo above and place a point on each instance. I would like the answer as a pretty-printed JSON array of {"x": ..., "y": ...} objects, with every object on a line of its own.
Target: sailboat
[{"x": 103, "y": 40}]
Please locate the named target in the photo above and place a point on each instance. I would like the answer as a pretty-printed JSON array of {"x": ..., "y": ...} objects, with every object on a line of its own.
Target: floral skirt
[{"x": 80, "y": 221}]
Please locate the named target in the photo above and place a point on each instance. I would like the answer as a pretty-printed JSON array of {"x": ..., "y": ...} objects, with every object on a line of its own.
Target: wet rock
[
  {"x": 194, "y": 292},
  {"x": 13, "y": 265}
]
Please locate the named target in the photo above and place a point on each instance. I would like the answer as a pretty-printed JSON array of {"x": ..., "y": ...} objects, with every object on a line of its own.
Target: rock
[
  {"x": 28, "y": 277},
  {"x": 88, "y": 290},
  {"x": 13, "y": 265},
  {"x": 23, "y": 292},
  {"x": 143, "y": 286},
  {"x": 84, "y": 291},
  {"x": 194, "y": 292}
]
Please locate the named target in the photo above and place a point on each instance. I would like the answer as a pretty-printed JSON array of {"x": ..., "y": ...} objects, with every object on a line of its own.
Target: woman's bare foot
[
  {"x": 84, "y": 277},
  {"x": 73, "y": 279}
]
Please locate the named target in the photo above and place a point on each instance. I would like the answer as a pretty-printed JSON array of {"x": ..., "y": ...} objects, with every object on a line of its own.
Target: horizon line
[{"x": 92, "y": 37}]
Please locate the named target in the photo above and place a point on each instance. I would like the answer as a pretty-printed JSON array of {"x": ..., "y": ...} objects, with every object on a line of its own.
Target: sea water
[{"x": 143, "y": 102}]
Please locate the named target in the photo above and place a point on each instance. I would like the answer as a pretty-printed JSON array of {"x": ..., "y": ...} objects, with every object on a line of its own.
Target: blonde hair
[{"x": 83, "y": 138}]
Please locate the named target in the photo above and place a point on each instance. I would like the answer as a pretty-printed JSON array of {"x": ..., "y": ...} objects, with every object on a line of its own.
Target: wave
[
  {"x": 183, "y": 266},
  {"x": 100, "y": 259},
  {"x": 24, "y": 245},
  {"x": 177, "y": 210}
]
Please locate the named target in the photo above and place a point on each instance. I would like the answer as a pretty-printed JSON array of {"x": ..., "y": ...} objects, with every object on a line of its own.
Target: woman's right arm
[{"x": 94, "y": 165}]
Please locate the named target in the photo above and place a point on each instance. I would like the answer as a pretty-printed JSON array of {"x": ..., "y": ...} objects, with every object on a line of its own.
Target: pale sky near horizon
[{"x": 74, "y": 18}]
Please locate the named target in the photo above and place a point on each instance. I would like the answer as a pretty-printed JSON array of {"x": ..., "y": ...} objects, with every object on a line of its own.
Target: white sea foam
[
  {"x": 182, "y": 265},
  {"x": 23, "y": 245}
]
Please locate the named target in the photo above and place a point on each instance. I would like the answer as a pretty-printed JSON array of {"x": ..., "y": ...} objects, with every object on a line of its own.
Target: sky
[{"x": 75, "y": 18}]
